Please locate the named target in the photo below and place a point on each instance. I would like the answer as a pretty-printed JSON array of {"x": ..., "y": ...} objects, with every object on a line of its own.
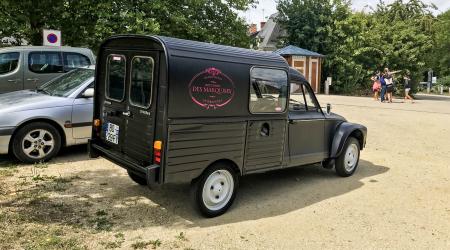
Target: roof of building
[{"x": 296, "y": 51}]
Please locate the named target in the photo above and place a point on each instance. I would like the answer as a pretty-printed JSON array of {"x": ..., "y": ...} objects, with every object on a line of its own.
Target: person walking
[
  {"x": 407, "y": 80},
  {"x": 376, "y": 86},
  {"x": 389, "y": 79},
  {"x": 383, "y": 87}
]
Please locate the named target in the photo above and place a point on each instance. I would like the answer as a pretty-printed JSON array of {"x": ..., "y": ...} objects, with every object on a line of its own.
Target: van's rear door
[{"x": 129, "y": 106}]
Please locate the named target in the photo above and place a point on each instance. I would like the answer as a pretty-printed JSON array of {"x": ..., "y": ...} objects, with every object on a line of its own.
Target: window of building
[{"x": 268, "y": 90}]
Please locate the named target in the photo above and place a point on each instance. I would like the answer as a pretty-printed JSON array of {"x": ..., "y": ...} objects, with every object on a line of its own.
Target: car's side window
[
  {"x": 301, "y": 98},
  {"x": 45, "y": 62},
  {"x": 115, "y": 77},
  {"x": 9, "y": 62},
  {"x": 268, "y": 90},
  {"x": 74, "y": 60}
]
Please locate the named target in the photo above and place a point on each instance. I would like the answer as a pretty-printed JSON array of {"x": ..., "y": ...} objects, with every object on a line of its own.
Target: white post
[
  {"x": 442, "y": 89},
  {"x": 327, "y": 86}
]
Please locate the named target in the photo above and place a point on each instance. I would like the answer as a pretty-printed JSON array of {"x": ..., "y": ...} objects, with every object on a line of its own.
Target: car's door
[
  {"x": 42, "y": 66},
  {"x": 11, "y": 72},
  {"x": 306, "y": 126},
  {"x": 82, "y": 115}
]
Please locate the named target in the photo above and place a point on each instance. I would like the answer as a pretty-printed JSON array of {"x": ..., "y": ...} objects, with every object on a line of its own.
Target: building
[
  {"x": 268, "y": 37},
  {"x": 309, "y": 63}
]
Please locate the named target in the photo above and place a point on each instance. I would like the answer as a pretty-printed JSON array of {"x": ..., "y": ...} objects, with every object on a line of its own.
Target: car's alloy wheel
[
  {"x": 36, "y": 142},
  {"x": 214, "y": 191}
]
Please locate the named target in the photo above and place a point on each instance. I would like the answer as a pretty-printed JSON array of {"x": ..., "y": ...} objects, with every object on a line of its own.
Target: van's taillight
[
  {"x": 97, "y": 126},
  {"x": 157, "y": 146}
]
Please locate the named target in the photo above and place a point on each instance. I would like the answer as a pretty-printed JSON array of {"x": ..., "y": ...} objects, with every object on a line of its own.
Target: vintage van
[{"x": 170, "y": 110}]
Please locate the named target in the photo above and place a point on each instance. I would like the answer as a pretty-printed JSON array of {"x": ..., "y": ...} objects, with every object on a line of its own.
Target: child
[{"x": 376, "y": 86}]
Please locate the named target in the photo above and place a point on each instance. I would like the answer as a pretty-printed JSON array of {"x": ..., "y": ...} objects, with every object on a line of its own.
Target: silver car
[{"x": 35, "y": 124}]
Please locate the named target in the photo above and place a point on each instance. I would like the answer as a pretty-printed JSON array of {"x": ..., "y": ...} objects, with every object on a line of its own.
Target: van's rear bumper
[{"x": 96, "y": 149}]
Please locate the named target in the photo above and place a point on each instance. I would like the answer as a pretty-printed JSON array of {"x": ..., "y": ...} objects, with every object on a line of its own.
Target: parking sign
[{"x": 52, "y": 37}]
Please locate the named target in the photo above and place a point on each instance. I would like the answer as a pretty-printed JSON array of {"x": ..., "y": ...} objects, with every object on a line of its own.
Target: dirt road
[{"x": 398, "y": 198}]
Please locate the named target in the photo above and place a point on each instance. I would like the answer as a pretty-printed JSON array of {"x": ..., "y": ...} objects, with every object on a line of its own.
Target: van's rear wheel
[
  {"x": 347, "y": 162},
  {"x": 138, "y": 179},
  {"x": 214, "y": 191}
]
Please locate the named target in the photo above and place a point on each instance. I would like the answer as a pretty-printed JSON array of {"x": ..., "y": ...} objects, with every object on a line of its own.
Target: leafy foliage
[
  {"x": 87, "y": 23},
  {"x": 398, "y": 36},
  {"x": 440, "y": 58}
]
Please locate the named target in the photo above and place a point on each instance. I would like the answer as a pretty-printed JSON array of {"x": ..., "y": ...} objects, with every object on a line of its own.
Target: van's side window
[
  {"x": 115, "y": 81},
  {"x": 268, "y": 90},
  {"x": 141, "y": 81},
  {"x": 9, "y": 62},
  {"x": 45, "y": 62},
  {"x": 301, "y": 98},
  {"x": 74, "y": 60}
]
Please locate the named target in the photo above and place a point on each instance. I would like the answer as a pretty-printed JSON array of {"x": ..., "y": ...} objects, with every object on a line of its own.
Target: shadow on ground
[
  {"x": 67, "y": 154},
  {"x": 432, "y": 97},
  {"x": 99, "y": 199}
]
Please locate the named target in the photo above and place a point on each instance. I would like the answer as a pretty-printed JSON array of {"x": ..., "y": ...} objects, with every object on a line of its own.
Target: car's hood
[{"x": 29, "y": 100}]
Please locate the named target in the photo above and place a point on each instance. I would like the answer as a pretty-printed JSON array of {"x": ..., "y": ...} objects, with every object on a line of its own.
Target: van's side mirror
[
  {"x": 328, "y": 108},
  {"x": 88, "y": 93}
]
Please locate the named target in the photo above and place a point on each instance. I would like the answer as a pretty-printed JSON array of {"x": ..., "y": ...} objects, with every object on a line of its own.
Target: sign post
[{"x": 51, "y": 37}]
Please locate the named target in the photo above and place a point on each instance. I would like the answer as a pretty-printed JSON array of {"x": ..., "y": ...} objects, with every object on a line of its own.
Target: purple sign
[
  {"x": 52, "y": 38},
  {"x": 211, "y": 89}
]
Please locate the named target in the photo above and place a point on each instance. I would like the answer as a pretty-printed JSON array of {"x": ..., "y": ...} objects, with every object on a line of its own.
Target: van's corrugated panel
[
  {"x": 195, "y": 146},
  {"x": 265, "y": 151},
  {"x": 174, "y": 44}
]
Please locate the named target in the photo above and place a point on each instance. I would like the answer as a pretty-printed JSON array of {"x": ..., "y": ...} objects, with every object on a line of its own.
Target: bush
[{"x": 444, "y": 81}]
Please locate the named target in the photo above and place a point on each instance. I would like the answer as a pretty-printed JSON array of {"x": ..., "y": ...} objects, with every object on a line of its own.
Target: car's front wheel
[
  {"x": 214, "y": 191},
  {"x": 36, "y": 142},
  {"x": 347, "y": 162}
]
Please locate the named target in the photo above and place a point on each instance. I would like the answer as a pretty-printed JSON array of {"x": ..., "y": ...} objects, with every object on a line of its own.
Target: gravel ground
[{"x": 398, "y": 198}]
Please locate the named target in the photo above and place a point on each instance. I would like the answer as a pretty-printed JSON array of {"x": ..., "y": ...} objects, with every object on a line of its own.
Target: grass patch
[
  {"x": 181, "y": 236},
  {"x": 8, "y": 170},
  {"x": 102, "y": 221},
  {"x": 144, "y": 244},
  {"x": 117, "y": 243}
]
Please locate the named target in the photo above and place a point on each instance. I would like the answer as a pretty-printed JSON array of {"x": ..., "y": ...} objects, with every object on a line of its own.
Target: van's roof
[
  {"x": 188, "y": 48},
  {"x": 50, "y": 48}
]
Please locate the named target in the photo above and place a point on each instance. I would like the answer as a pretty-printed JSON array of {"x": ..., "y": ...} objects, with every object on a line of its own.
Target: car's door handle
[
  {"x": 15, "y": 80},
  {"x": 128, "y": 113},
  {"x": 32, "y": 79}
]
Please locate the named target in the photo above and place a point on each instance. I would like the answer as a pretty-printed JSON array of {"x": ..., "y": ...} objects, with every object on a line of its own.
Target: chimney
[
  {"x": 252, "y": 29},
  {"x": 262, "y": 24}
]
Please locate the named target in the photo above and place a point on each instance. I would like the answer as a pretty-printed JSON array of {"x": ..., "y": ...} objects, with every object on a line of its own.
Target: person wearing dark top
[
  {"x": 389, "y": 79},
  {"x": 407, "y": 80}
]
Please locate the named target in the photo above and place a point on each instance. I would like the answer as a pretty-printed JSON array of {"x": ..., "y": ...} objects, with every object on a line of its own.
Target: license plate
[{"x": 112, "y": 133}]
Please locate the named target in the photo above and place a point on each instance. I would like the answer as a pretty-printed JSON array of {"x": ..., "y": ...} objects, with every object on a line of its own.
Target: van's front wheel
[{"x": 214, "y": 191}]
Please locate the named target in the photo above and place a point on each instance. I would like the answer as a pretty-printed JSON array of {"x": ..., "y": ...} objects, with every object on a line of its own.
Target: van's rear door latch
[{"x": 127, "y": 113}]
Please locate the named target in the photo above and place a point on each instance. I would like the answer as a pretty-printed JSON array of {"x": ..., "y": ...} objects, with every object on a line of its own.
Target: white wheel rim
[
  {"x": 218, "y": 189},
  {"x": 351, "y": 157},
  {"x": 38, "y": 143}
]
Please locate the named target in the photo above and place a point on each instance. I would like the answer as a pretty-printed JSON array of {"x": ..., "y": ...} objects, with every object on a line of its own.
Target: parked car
[
  {"x": 170, "y": 110},
  {"x": 35, "y": 124},
  {"x": 28, "y": 67}
]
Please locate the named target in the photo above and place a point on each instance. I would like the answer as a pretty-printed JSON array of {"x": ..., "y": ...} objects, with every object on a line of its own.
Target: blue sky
[{"x": 267, "y": 7}]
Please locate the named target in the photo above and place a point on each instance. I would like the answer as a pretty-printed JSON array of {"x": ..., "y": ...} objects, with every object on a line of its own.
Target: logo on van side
[{"x": 211, "y": 89}]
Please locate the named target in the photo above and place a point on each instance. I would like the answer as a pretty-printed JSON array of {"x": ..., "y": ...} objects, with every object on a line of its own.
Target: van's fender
[{"x": 343, "y": 131}]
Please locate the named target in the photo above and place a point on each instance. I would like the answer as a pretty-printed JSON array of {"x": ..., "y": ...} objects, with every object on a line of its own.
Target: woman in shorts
[
  {"x": 407, "y": 80},
  {"x": 389, "y": 84}
]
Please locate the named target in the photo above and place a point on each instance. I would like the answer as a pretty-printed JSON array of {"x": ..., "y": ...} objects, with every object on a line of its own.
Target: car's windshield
[{"x": 65, "y": 85}]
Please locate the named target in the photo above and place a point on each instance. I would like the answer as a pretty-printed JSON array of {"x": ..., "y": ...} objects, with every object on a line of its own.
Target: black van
[{"x": 171, "y": 110}]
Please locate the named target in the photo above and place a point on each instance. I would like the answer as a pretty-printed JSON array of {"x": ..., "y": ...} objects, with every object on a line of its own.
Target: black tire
[
  {"x": 18, "y": 147},
  {"x": 138, "y": 179},
  {"x": 224, "y": 172},
  {"x": 343, "y": 167}
]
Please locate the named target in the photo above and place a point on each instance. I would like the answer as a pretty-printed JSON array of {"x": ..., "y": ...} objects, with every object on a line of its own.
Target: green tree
[
  {"x": 87, "y": 23},
  {"x": 440, "y": 57}
]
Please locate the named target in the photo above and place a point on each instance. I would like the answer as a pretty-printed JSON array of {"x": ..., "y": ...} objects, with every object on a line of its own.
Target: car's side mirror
[
  {"x": 328, "y": 108},
  {"x": 88, "y": 93}
]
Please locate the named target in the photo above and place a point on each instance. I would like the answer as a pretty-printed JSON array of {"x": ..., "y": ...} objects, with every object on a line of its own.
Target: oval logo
[{"x": 211, "y": 89}]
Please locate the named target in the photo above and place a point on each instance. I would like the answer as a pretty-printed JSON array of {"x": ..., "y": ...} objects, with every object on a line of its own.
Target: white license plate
[{"x": 112, "y": 133}]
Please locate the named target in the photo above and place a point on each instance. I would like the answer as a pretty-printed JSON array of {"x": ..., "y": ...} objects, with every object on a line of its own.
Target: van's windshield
[{"x": 68, "y": 83}]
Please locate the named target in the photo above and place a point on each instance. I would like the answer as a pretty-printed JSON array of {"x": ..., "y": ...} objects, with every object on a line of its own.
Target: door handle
[
  {"x": 15, "y": 80},
  {"x": 32, "y": 79},
  {"x": 128, "y": 113}
]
